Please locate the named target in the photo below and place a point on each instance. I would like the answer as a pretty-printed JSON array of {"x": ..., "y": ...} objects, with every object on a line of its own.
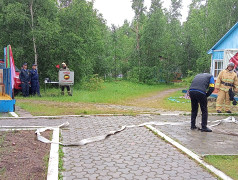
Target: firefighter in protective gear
[{"x": 226, "y": 80}]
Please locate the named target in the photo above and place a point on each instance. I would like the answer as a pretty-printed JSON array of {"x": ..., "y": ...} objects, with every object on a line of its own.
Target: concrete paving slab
[
  {"x": 202, "y": 143},
  {"x": 135, "y": 153}
]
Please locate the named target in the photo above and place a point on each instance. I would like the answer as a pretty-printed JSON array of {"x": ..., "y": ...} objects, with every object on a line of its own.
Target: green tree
[
  {"x": 20, "y": 23},
  {"x": 40, "y": 31},
  {"x": 152, "y": 43},
  {"x": 115, "y": 45},
  {"x": 207, "y": 22},
  {"x": 139, "y": 18},
  {"x": 82, "y": 39},
  {"x": 172, "y": 59}
]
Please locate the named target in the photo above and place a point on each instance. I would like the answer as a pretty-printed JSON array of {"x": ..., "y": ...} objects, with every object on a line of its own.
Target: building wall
[{"x": 230, "y": 42}]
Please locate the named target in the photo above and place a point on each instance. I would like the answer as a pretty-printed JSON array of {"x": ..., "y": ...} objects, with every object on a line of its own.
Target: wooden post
[{"x": 32, "y": 29}]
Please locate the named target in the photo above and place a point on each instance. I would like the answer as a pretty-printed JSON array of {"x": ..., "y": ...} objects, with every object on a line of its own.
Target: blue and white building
[{"x": 224, "y": 50}]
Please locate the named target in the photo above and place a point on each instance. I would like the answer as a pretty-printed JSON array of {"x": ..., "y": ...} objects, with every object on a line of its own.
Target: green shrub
[
  {"x": 188, "y": 80},
  {"x": 133, "y": 75},
  {"x": 147, "y": 75},
  {"x": 93, "y": 83}
]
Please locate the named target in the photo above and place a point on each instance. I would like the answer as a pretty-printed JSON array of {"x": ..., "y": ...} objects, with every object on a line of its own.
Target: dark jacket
[
  {"x": 34, "y": 75},
  {"x": 202, "y": 82},
  {"x": 25, "y": 76},
  {"x": 64, "y": 69}
]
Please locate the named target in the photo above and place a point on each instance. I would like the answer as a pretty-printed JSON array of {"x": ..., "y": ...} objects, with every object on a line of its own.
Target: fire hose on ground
[{"x": 82, "y": 142}]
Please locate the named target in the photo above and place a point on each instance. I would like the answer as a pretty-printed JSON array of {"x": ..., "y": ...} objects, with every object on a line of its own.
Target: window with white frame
[{"x": 218, "y": 67}]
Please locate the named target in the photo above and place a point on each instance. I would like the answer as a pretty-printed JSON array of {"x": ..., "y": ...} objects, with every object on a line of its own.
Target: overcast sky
[{"x": 116, "y": 11}]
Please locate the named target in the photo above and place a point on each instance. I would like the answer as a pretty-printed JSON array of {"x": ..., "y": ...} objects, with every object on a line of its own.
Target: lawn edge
[
  {"x": 191, "y": 154},
  {"x": 54, "y": 156}
]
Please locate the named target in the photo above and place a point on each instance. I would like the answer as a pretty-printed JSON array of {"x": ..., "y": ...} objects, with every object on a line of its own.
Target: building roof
[{"x": 223, "y": 38}]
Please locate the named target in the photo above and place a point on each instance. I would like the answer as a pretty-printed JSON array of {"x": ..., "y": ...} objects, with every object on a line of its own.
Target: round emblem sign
[{"x": 66, "y": 77}]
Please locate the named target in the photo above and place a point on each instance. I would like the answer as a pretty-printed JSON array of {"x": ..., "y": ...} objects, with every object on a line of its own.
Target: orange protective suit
[{"x": 231, "y": 81}]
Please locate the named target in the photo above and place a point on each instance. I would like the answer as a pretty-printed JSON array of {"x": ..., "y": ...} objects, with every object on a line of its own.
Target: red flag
[
  {"x": 12, "y": 65},
  {"x": 58, "y": 66},
  {"x": 234, "y": 59}
]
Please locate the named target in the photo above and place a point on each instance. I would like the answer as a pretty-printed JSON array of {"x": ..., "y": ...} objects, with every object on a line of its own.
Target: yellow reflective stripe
[
  {"x": 219, "y": 104},
  {"x": 211, "y": 85},
  {"x": 228, "y": 80},
  {"x": 236, "y": 87},
  {"x": 217, "y": 83},
  {"x": 224, "y": 89}
]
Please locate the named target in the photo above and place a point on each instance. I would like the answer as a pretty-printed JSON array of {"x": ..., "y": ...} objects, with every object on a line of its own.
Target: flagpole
[{"x": 5, "y": 57}]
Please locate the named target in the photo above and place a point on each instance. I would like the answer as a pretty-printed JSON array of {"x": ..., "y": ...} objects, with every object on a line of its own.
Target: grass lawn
[
  {"x": 45, "y": 108},
  {"x": 117, "y": 92},
  {"x": 112, "y": 92},
  {"x": 227, "y": 164},
  {"x": 84, "y": 102},
  {"x": 175, "y": 102}
]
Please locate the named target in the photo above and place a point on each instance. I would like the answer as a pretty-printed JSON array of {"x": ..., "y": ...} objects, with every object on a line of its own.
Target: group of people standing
[
  {"x": 202, "y": 87},
  {"x": 29, "y": 78}
]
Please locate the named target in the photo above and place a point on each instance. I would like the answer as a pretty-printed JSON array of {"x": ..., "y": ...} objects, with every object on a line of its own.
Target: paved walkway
[
  {"x": 22, "y": 113},
  {"x": 216, "y": 143},
  {"x": 135, "y": 153}
]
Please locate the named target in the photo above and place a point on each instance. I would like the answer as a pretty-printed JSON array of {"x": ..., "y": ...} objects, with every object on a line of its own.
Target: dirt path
[
  {"x": 147, "y": 101},
  {"x": 146, "y": 104},
  {"x": 149, "y": 104}
]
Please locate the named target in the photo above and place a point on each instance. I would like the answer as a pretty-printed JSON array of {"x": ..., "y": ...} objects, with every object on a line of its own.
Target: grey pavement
[
  {"x": 216, "y": 143},
  {"x": 135, "y": 153},
  {"x": 21, "y": 112},
  {"x": 4, "y": 115}
]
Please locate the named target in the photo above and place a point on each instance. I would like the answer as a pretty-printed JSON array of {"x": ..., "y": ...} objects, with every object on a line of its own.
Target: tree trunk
[
  {"x": 138, "y": 47},
  {"x": 32, "y": 29}
]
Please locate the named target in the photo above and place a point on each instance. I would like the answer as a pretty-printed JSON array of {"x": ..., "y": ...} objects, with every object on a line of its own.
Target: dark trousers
[
  {"x": 62, "y": 88},
  {"x": 35, "y": 87},
  {"x": 196, "y": 99},
  {"x": 25, "y": 89}
]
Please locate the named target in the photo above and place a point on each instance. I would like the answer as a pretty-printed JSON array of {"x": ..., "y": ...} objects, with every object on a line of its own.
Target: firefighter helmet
[{"x": 231, "y": 64}]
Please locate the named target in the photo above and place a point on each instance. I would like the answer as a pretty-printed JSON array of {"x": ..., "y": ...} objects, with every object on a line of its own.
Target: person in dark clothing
[
  {"x": 25, "y": 80},
  {"x": 202, "y": 87},
  {"x": 35, "y": 85}
]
